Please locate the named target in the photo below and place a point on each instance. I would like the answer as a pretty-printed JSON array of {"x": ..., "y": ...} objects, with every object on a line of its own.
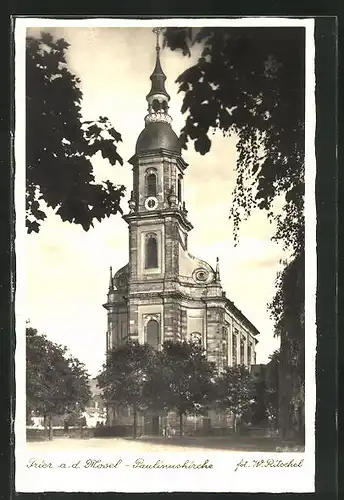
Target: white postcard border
[{"x": 221, "y": 477}]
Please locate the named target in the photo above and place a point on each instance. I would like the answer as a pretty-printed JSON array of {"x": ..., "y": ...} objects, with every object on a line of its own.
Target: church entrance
[
  {"x": 155, "y": 426},
  {"x": 152, "y": 425}
]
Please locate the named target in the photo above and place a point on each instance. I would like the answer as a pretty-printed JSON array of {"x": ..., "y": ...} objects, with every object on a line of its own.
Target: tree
[
  {"x": 250, "y": 82},
  {"x": 234, "y": 391},
  {"x": 124, "y": 376},
  {"x": 288, "y": 313},
  {"x": 156, "y": 390},
  {"x": 60, "y": 143},
  {"x": 259, "y": 409},
  {"x": 265, "y": 392},
  {"x": 77, "y": 386},
  {"x": 55, "y": 383},
  {"x": 177, "y": 377},
  {"x": 273, "y": 389},
  {"x": 187, "y": 380}
]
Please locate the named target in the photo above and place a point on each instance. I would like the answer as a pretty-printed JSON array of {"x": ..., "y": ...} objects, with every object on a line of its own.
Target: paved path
[
  {"x": 107, "y": 444},
  {"x": 224, "y": 445}
]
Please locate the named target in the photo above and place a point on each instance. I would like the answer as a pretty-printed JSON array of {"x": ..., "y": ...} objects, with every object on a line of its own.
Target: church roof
[
  {"x": 241, "y": 316},
  {"x": 158, "y": 135}
]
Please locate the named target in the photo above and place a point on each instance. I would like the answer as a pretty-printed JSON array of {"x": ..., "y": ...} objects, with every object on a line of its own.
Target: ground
[{"x": 185, "y": 444}]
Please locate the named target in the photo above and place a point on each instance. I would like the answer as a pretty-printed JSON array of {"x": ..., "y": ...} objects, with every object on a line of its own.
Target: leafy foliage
[
  {"x": 188, "y": 376},
  {"x": 55, "y": 383},
  {"x": 258, "y": 411},
  {"x": 235, "y": 391},
  {"x": 178, "y": 377},
  {"x": 60, "y": 144},
  {"x": 125, "y": 375},
  {"x": 265, "y": 392},
  {"x": 288, "y": 312},
  {"x": 273, "y": 389},
  {"x": 251, "y": 82},
  {"x": 126, "y": 372}
]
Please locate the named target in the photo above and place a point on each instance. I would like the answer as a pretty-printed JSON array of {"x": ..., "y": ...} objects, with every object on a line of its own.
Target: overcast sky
[{"x": 68, "y": 269}]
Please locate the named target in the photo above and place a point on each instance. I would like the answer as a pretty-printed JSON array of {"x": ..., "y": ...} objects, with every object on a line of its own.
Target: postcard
[{"x": 165, "y": 255}]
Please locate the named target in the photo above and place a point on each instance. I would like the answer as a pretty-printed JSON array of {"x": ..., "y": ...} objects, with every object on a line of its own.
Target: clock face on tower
[{"x": 151, "y": 203}]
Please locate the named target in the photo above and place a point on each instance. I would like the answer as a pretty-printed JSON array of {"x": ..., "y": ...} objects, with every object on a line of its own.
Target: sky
[{"x": 67, "y": 270}]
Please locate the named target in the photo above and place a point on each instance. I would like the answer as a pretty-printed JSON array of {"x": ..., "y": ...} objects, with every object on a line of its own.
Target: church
[{"x": 164, "y": 292}]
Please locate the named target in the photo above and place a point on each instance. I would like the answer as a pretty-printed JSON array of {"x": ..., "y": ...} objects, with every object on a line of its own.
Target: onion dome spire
[
  {"x": 158, "y": 98},
  {"x": 158, "y": 133}
]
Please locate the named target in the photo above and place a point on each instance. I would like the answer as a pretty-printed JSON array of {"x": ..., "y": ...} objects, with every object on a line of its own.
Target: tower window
[
  {"x": 153, "y": 333},
  {"x": 234, "y": 348},
  {"x": 151, "y": 184},
  {"x": 151, "y": 257},
  {"x": 179, "y": 188}
]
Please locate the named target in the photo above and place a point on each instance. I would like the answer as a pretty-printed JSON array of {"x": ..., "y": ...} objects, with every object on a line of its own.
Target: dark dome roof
[{"x": 157, "y": 135}]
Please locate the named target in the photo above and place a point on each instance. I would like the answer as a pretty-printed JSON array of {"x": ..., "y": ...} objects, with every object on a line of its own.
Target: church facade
[{"x": 164, "y": 292}]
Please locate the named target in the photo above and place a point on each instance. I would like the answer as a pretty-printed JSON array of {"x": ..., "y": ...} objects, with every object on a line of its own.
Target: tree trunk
[
  {"x": 134, "y": 421},
  {"x": 45, "y": 425},
  {"x": 235, "y": 423},
  {"x": 285, "y": 420},
  {"x": 165, "y": 426},
  {"x": 180, "y": 423},
  {"x": 50, "y": 427}
]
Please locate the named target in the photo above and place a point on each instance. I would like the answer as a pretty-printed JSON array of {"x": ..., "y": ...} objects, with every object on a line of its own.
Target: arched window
[
  {"x": 242, "y": 351},
  {"x": 179, "y": 188},
  {"x": 225, "y": 352},
  {"x": 153, "y": 333},
  {"x": 156, "y": 105},
  {"x": 151, "y": 257},
  {"x": 249, "y": 353},
  {"x": 151, "y": 184},
  {"x": 234, "y": 348}
]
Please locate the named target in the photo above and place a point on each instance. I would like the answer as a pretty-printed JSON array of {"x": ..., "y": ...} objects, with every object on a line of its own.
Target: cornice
[
  {"x": 159, "y": 214},
  {"x": 156, "y": 153}
]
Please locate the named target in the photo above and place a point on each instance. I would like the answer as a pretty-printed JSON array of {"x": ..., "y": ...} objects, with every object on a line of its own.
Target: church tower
[
  {"x": 164, "y": 293},
  {"x": 157, "y": 221}
]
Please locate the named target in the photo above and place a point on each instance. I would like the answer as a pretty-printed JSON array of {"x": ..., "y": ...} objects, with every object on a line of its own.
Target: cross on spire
[{"x": 157, "y": 31}]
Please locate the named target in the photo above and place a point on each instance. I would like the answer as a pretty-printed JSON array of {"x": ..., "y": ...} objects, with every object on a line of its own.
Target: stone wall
[
  {"x": 215, "y": 322},
  {"x": 171, "y": 318}
]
